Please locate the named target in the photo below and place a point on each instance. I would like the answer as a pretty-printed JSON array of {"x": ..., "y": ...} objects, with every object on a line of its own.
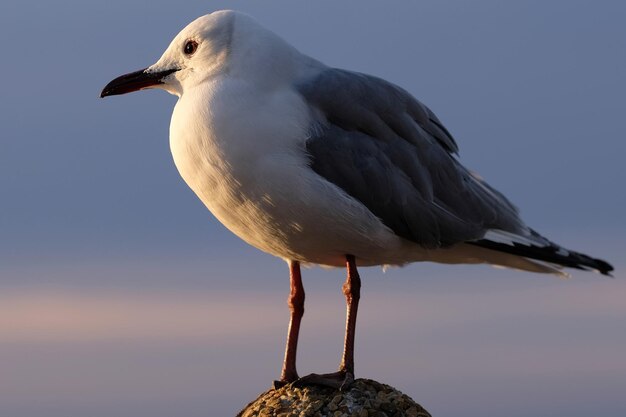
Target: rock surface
[{"x": 364, "y": 398}]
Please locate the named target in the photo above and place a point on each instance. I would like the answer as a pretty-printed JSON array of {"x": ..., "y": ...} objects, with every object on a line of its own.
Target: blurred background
[{"x": 120, "y": 294}]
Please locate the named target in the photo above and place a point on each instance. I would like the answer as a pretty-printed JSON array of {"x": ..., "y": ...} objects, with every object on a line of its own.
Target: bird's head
[{"x": 199, "y": 52}]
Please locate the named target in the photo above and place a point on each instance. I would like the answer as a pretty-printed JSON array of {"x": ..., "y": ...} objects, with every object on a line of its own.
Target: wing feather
[{"x": 389, "y": 151}]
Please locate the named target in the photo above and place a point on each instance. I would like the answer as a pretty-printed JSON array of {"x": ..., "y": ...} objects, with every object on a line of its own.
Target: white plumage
[
  {"x": 325, "y": 166},
  {"x": 238, "y": 136}
]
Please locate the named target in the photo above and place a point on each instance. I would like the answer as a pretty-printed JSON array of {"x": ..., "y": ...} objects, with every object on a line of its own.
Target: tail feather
[{"x": 539, "y": 248}]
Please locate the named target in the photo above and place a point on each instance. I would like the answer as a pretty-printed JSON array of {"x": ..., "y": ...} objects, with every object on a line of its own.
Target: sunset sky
[{"x": 121, "y": 295}]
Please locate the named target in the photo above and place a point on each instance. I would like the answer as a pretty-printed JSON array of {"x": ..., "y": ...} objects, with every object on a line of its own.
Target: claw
[
  {"x": 347, "y": 381},
  {"x": 276, "y": 384}
]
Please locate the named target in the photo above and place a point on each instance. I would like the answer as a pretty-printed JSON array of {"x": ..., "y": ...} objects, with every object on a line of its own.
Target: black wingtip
[
  {"x": 603, "y": 267},
  {"x": 550, "y": 253}
]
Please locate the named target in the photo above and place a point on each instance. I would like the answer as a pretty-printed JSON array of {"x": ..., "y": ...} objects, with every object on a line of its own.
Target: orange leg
[
  {"x": 296, "y": 305},
  {"x": 345, "y": 375},
  {"x": 352, "y": 291}
]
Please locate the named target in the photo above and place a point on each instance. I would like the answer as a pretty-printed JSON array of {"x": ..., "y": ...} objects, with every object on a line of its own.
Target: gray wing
[{"x": 389, "y": 151}]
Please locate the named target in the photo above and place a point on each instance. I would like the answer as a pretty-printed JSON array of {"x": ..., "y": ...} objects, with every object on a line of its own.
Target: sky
[{"x": 121, "y": 295}]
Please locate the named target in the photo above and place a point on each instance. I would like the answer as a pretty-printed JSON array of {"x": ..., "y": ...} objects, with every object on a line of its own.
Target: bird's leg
[
  {"x": 296, "y": 305},
  {"x": 345, "y": 375},
  {"x": 352, "y": 291}
]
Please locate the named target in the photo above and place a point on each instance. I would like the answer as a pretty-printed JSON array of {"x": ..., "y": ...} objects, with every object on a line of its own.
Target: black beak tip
[{"x": 111, "y": 89}]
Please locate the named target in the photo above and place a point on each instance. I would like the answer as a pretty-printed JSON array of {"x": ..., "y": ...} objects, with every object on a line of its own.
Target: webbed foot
[{"x": 339, "y": 380}]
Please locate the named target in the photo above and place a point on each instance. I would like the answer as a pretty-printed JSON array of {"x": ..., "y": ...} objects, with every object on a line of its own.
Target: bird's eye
[{"x": 190, "y": 47}]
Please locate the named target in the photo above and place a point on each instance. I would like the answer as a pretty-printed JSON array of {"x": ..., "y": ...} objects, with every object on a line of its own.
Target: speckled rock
[{"x": 364, "y": 398}]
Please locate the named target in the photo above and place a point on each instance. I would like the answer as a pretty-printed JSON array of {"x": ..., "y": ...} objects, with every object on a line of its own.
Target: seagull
[{"x": 319, "y": 165}]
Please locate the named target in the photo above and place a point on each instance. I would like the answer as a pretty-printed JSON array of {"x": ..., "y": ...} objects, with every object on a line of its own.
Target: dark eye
[{"x": 190, "y": 47}]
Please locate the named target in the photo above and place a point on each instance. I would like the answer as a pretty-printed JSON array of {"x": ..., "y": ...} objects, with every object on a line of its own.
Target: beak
[{"x": 135, "y": 81}]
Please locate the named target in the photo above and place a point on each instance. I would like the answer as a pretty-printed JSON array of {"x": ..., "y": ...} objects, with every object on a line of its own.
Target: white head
[{"x": 221, "y": 42}]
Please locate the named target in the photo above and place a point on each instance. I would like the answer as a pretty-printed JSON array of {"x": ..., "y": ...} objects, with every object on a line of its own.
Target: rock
[{"x": 364, "y": 398}]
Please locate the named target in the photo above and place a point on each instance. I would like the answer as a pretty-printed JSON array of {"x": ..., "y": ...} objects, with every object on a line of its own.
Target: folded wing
[{"x": 390, "y": 152}]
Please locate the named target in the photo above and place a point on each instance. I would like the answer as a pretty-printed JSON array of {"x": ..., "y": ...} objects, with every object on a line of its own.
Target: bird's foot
[
  {"x": 279, "y": 383},
  {"x": 339, "y": 380},
  {"x": 285, "y": 379}
]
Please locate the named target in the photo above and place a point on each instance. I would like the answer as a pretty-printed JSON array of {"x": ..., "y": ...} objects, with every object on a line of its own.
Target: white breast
[{"x": 242, "y": 152}]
